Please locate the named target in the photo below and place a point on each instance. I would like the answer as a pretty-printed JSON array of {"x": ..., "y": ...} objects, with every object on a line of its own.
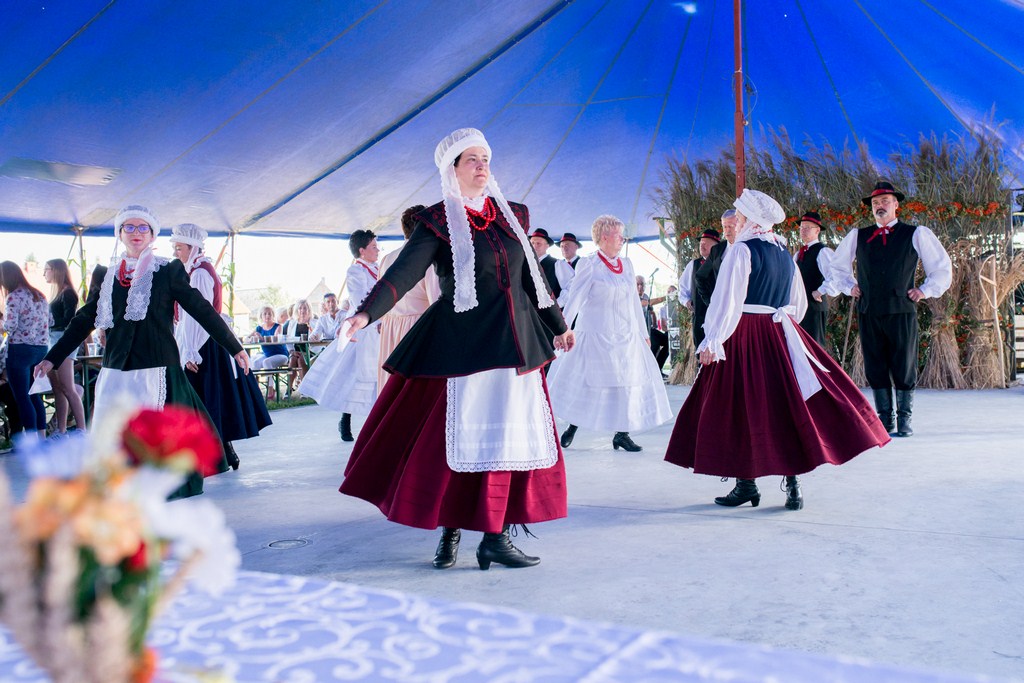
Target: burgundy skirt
[
  {"x": 745, "y": 418},
  {"x": 399, "y": 464}
]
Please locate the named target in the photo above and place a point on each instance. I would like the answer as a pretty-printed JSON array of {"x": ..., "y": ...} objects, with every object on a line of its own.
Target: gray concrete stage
[{"x": 912, "y": 554}]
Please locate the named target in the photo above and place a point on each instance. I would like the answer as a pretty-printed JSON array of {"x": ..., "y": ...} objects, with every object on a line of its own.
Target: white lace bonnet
[{"x": 463, "y": 255}]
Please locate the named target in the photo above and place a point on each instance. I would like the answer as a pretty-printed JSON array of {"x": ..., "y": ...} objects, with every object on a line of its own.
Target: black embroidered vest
[{"x": 885, "y": 270}]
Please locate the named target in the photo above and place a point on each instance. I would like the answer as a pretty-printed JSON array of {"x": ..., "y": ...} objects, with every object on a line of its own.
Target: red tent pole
[{"x": 737, "y": 80}]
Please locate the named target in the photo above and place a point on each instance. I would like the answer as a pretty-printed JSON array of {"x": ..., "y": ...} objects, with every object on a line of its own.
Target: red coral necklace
[
  {"x": 124, "y": 276},
  {"x": 480, "y": 220},
  {"x": 617, "y": 269}
]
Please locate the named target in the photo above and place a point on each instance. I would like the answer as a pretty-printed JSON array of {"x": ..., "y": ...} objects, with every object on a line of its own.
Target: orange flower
[
  {"x": 111, "y": 527},
  {"x": 50, "y": 502}
]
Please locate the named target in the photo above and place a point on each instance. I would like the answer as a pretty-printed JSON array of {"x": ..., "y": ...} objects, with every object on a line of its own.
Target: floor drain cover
[{"x": 289, "y": 544}]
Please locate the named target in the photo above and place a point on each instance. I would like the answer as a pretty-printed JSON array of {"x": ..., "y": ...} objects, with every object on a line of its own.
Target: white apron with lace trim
[
  {"x": 499, "y": 421},
  {"x": 146, "y": 388}
]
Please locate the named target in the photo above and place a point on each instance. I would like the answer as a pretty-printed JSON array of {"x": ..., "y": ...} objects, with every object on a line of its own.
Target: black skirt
[{"x": 235, "y": 404}]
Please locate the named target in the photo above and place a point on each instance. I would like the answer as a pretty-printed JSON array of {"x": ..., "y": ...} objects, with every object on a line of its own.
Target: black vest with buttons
[
  {"x": 885, "y": 270},
  {"x": 812, "y": 276},
  {"x": 547, "y": 264}
]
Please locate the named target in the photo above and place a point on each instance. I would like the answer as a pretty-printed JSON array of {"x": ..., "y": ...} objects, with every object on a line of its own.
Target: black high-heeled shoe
[
  {"x": 744, "y": 491},
  {"x": 447, "y": 548},
  {"x": 568, "y": 435},
  {"x": 622, "y": 440},
  {"x": 498, "y": 548},
  {"x": 232, "y": 457},
  {"x": 794, "y": 500}
]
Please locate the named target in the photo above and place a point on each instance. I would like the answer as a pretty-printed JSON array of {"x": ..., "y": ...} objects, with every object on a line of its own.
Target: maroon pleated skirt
[
  {"x": 745, "y": 418},
  {"x": 399, "y": 464}
]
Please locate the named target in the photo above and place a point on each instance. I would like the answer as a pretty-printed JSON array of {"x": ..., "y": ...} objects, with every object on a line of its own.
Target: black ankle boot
[
  {"x": 794, "y": 501},
  {"x": 622, "y": 440},
  {"x": 904, "y": 409},
  {"x": 883, "y": 405},
  {"x": 447, "y": 548},
  {"x": 568, "y": 435},
  {"x": 345, "y": 427},
  {"x": 232, "y": 457},
  {"x": 498, "y": 548},
  {"x": 744, "y": 491}
]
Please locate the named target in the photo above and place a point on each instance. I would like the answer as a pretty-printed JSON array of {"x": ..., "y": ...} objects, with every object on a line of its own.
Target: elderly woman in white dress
[{"x": 611, "y": 381}]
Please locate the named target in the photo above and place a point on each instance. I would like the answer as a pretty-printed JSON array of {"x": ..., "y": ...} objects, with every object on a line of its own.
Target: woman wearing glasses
[{"x": 136, "y": 308}]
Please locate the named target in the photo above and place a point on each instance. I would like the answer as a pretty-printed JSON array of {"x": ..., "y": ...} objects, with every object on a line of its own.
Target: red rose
[
  {"x": 173, "y": 438},
  {"x": 139, "y": 561}
]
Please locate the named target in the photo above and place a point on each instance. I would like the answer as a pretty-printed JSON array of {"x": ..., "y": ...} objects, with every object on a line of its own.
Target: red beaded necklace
[
  {"x": 480, "y": 220},
  {"x": 615, "y": 269},
  {"x": 124, "y": 275}
]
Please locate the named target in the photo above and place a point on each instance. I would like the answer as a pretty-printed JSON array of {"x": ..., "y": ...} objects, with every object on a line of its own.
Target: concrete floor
[{"x": 912, "y": 554}]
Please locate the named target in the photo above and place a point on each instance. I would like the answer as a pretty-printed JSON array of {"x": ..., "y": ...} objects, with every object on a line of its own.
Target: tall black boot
[
  {"x": 744, "y": 491},
  {"x": 883, "y": 405},
  {"x": 447, "y": 548},
  {"x": 568, "y": 435},
  {"x": 345, "y": 427},
  {"x": 622, "y": 440},
  {"x": 498, "y": 548},
  {"x": 794, "y": 500},
  {"x": 232, "y": 457},
  {"x": 904, "y": 409}
]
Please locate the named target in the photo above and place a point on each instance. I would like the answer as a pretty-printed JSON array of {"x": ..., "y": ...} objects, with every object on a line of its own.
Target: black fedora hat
[
  {"x": 541, "y": 232},
  {"x": 711, "y": 235},
  {"x": 569, "y": 237},
  {"x": 812, "y": 216},
  {"x": 882, "y": 187}
]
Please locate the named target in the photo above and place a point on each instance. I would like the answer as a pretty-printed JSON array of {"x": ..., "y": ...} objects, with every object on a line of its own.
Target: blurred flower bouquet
[{"x": 80, "y": 578}]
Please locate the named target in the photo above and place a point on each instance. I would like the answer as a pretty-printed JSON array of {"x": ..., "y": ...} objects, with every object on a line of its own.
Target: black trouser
[
  {"x": 890, "y": 345},
  {"x": 659, "y": 346},
  {"x": 814, "y": 325}
]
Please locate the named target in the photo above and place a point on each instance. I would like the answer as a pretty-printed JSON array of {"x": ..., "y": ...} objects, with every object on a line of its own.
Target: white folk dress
[
  {"x": 344, "y": 376},
  {"x": 610, "y": 380}
]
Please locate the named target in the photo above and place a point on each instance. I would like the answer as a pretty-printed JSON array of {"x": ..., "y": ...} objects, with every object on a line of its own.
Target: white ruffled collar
[{"x": 139, "y": 291}]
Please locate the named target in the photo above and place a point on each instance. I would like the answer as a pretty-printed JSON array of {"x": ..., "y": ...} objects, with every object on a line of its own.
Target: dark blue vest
[{"x": 771, "y": 274}]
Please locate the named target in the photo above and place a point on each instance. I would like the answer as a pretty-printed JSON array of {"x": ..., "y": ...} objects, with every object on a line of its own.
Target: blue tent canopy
[{"x": 319, "y": 118}]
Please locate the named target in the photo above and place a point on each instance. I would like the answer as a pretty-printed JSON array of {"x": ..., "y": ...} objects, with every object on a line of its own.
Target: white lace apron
[
  {"x": 146, "y": 388},
  {"x": 499, "y": 421}
]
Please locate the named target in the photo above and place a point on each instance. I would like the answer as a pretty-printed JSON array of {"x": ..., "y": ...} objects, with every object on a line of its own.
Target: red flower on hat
[{"x": 173, "y": 438}]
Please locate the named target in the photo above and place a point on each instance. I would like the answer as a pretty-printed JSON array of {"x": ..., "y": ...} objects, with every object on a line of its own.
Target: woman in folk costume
[
  {"x": 785, "y": 405},
  {"x": 135, "y": 307},
  {"x": 400, "y": 319},
  {"x": 232, "y": 399},
  {"x": 611, "y": 381},
  {"x": 344, "y": 376},
  {"x": 462, "y": 435}
]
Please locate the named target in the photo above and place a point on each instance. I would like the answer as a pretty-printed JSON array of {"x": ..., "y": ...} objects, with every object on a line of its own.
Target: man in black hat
[
  {"x": 565, "y": 269},
  {"x": 687, "y": 291},
  {"x": 813, "y": 261},
  {"x": 706, "y": 276},
  {"x": 887, "y": 255},
  {"x": 541, "y": 242}
]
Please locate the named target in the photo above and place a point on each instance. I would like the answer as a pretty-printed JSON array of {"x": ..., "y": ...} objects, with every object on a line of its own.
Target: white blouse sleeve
[
  {"x": 564, "y": 274},
  {"x": 685, "y": 282},
  {"x": 638, "y": 309},
  {"x": 824, "y": 261},
  {"x": 10, "y": 323},
  {"x": 840, "y": 278},
  {"x": 938, "y": 269},
  {"x": 726, "y": 307},
  {"x": 798, "y": 295},
  {"x": 580, "y": 291},
  {"x": 189, "y": 334},
  {"x": 359, "y": 283}
]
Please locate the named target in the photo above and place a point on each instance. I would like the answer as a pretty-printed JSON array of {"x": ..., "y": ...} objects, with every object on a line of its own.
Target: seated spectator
[
  {"x": 330, "y": 318},
  {"x": 272, "y": 355},
  {"x": 297, "y": 354}
]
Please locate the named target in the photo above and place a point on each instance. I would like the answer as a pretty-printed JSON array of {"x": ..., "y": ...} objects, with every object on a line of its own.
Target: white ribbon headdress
[
  {"x": 142, "y": 277},
  {"x": 761, "y": 212},
  {"x": 192, "y": 235},
  {"x": 463, "y": 256}
]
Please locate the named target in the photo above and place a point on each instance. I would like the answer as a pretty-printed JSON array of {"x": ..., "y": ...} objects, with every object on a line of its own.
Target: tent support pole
[{"x": 737, "y": 80}]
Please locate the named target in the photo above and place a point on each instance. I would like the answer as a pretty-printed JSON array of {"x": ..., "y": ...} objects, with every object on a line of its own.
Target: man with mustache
[{"x": 887, "y": 255}]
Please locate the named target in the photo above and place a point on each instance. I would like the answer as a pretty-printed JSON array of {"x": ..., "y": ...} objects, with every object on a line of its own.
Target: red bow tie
[
  {"x": 800, "y": 256},
  {"x": 883, "y": 231}
]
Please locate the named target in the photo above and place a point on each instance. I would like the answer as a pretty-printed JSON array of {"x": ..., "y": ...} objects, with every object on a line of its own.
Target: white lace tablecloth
[{"x": 292, "y": 629}]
